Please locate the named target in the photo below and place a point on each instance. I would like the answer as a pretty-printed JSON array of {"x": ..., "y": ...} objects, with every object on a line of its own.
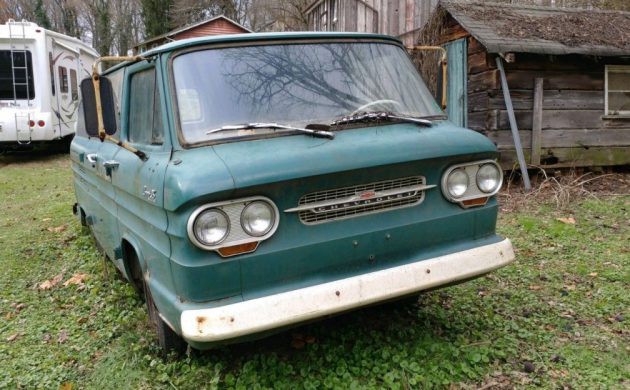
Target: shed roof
[
  {"x": 191, "y": 26},
  {"x": 503, "y": 28}
]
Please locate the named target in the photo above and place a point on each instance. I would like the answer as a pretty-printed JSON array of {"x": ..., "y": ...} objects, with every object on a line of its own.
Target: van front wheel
[{"x": 168, "y": 340}]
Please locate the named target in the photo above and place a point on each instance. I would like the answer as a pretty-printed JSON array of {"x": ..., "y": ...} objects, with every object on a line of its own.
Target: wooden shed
[
  {"x": 217, "y": 25},
  {"x": 399, "y": 18},
  {"x": 567, "y": 72}
]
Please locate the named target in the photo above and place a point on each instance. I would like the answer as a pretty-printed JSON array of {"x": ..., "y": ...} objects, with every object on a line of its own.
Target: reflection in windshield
[{"x": 294, "y": 84}]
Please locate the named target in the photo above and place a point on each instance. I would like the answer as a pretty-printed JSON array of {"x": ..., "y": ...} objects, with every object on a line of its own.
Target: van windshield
[
  {"x": 294, "y": 84},
  {"x": 22, "y": 69}
]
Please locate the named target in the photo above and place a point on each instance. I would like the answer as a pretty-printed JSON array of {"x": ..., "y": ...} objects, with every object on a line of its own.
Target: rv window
[
  {"x": 617, "y": 90},
  {"x": 145, "y": 118},
  {"x": 73, "y": 84},
  {"x": 63, "y": 80},
  {"x": 52, "y": 72},
  {"x": 16, "y": 82}
]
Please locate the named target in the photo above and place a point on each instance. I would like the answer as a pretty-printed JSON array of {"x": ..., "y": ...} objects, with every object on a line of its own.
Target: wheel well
[{"x": 132, "y": 265}]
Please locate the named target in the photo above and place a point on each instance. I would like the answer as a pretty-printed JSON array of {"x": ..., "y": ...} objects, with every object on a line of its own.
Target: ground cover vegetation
[{"x": 556, "y": 318}]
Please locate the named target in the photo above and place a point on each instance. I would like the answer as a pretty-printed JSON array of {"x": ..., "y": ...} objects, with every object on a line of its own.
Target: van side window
[
  {"x": 145, "y": 116},
  {"x": 73, "y": 85},
  {"x": 63, "y": 79}
]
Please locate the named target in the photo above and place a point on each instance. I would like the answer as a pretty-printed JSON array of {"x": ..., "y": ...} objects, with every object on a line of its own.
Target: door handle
[
  {"x": 91, "y": 157},
  {"x": 111, "y": 164}
]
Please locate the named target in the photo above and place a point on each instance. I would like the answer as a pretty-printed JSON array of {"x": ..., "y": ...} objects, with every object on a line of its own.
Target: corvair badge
[{"x": 361, "y": 199}]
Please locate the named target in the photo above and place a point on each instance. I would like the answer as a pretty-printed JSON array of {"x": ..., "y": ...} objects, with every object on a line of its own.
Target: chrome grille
[{"x": 310, "y": 217}]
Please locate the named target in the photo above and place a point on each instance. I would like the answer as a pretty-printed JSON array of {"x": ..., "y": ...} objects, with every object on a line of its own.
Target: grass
[{"x": 556, "y": 318}]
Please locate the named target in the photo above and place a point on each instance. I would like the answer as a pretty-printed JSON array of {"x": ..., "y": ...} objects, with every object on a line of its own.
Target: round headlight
[
  {"x": 457, "y": 183},
  {"x": 488, "y": 178},
  {"x": 211, "y": 227},
  {"x": 257, "y": 218}
]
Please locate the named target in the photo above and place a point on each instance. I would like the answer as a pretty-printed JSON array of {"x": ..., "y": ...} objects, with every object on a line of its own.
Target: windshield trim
[{"x": 289, "y": 41}]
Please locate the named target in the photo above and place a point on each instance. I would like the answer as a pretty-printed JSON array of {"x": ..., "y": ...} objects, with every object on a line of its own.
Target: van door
[
  {"x": 139, "y": 184},
  {"x": 93, "y": 187}
]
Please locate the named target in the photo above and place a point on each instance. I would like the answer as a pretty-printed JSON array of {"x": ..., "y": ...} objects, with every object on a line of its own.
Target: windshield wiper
[
  {"x": 378, "y": 116},
  {"x": 316, "y": 130}
]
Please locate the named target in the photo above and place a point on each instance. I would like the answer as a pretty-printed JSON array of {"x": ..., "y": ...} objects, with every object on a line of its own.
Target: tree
[
  {"x": 156, "y": 15},
  {"x": 41, "y": 16}
]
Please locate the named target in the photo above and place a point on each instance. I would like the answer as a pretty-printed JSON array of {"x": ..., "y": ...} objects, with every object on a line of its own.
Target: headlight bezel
[
  {"x": 473, "y": 192},
  {"x": 236, "y": 234}
]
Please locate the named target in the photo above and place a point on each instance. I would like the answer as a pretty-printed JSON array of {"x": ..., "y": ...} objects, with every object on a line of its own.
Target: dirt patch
[{"x": 570, "y": 28}]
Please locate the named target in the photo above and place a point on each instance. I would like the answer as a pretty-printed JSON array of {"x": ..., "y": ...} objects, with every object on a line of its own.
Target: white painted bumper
[{"x": 257, "y": 315}]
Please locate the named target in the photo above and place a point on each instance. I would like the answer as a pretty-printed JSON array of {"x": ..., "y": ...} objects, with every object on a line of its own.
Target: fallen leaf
[
  {"x": 593, "y": 274},
  {"x": 77, "y": 278},
  {"x": 20, "y": 306},
  {"x": 297, "y": 344},
  {"x": 63, "y": 336},
  {"x": 46, "y": 219},
  {"x": 45, "y": 285},
  {"x": 570, "y": 220},
  {"x": 66, "y": 386},
  {"x": 57, "y": 229},
  {"x": 12, "y": 337},
  {"x": 534, "y": 287}
]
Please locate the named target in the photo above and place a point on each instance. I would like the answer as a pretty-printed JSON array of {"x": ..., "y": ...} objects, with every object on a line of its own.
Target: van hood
[{"x": 213, "y": 172}]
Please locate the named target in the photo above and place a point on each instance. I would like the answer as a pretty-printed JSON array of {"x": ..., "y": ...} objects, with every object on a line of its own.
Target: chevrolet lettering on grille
[{"x": 363, "y": 201}]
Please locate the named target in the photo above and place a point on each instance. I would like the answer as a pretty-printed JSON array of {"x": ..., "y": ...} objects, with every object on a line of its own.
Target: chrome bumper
[{"x": 257, "y": 315}]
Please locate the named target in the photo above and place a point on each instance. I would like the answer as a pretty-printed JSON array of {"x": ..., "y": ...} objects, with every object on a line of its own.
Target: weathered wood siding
[
  {"x": 401, "y": 18},
  {"x": 575, "y": 131},
  {"x": 213, "y": 27}
]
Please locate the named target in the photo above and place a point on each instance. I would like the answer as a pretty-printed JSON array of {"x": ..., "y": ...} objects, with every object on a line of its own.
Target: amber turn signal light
[
  {"x": 475, "y": 202},
  {"x": 237, "y": 249}
]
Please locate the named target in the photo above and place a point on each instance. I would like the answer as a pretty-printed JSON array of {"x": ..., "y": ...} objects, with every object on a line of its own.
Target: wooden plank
[
  {"x": 351, "y": 15},
  {"x": 479, "y": 62},
  {"x": 392, "y": 6},
  {"x": 524, "y": 79},
  {"x": 537, "y": 116},
  {"x": 483, "y": 120},
  {"x": 565, "y": 138},
  {"x": 478, "y": 101},
  {"x": 553, "y": 99},
  {"x": 573, "y": 157},
  {"x": 483, "y": 81},
  {"x": 474, "y": 46},
  {"x": 361, "y": 8},
  {"x": 555, "y": 119},
  {"x": 529, "y": 61}
]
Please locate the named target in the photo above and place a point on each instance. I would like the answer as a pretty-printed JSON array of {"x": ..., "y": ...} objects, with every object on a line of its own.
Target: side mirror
[{"x": 90, "y": 110}]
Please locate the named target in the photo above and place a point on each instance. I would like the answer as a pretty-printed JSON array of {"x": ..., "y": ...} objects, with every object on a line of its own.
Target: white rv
[{"x": 40, "y": 71}]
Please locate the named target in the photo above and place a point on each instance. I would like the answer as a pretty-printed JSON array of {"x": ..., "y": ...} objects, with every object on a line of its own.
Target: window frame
[
  {"x": 126, "y": 106},
  {"x": 614, "y": 69},
  {"x": 63, "y": 79}
]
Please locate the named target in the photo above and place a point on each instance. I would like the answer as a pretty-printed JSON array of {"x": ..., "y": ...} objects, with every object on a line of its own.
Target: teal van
[{"x": 248, "y": 183}]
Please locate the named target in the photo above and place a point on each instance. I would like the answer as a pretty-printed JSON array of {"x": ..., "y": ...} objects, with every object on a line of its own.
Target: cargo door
[{"x": 457, "y": 107}]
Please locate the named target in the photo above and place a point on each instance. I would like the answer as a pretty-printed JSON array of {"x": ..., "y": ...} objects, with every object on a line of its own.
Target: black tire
[{"x": 168, "y": 340}]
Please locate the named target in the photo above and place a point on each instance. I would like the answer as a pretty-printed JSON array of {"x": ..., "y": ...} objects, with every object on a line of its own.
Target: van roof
[{"x": 256, "y": 37}]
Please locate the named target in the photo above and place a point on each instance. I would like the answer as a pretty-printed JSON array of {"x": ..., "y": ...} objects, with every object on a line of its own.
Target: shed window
[{"x": 617, "y": 90}]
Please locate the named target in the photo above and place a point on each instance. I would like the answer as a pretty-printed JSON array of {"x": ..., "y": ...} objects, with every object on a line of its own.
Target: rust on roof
[{"x": 503, "y": 28}]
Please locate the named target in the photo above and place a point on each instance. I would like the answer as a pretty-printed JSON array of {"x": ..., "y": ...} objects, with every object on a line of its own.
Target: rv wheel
[{"x": 168, "y": 340}]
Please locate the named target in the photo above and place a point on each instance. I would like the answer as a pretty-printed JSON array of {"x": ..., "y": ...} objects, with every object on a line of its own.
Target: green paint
[{"x": 284, "y": 168}]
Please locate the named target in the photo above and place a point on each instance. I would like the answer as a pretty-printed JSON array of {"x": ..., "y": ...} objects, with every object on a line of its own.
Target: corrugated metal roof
[{"x": 488, "y": 30}]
